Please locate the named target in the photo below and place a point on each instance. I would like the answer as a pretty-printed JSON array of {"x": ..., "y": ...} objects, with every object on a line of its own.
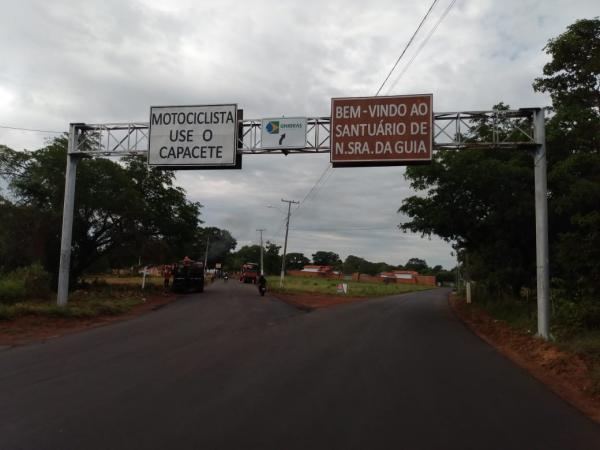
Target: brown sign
[{"x": 372, "y": 131}]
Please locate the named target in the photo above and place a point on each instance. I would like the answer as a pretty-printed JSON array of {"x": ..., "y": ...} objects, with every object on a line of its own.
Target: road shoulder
[
  {"x": 564, "y": 373},
  {"x": 30, "y": 328}
]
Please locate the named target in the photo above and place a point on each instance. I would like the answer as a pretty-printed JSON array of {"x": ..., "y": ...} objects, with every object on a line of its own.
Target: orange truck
[{"x": 249, "y": 273}]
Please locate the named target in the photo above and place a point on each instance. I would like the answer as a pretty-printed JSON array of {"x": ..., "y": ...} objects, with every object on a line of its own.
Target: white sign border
[{"x": 195, "y": 166}]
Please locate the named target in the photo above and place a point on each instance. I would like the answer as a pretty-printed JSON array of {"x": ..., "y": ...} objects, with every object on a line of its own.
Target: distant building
[
  {"x": 321, "y": 270},
  {"x": 406, "y": 276}
]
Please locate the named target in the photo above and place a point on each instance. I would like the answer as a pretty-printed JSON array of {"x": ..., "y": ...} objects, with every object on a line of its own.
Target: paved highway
[{"x": 228, "y": 369}]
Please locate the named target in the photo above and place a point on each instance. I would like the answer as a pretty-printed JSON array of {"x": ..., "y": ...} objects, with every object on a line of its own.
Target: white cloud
[{"x": 108, "y": 61}]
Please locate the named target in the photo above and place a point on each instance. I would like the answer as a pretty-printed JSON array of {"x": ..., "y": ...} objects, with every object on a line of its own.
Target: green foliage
[
  {"x": 305, "y": 285},
  {"x": 483, "y": 200},
  {"x": 30, "y": 282},
  {"x": 572, "y": 80},
  {"x": 251, "y": 253},
  {"x": 90, "y": 309},
  {"x": 417, "y": 264},
  {"x": 296, "y": 261},
  {"x": 122, "y": 211},
  {"x": 354, "y": 264},
  {"x": 246, "y": 254},
  {"x": 220, "y": 245},
  {"x": 323, "y": 258}
]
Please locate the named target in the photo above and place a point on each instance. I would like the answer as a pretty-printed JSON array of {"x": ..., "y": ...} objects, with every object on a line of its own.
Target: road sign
[
  {"x": 374, "y": 131},
  {"x": 203, "y": 136},
  {"x": 289, "y": 132}
]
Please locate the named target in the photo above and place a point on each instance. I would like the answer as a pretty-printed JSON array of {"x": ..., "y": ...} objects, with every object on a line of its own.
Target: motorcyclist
[{"x": 262, "y": 284}]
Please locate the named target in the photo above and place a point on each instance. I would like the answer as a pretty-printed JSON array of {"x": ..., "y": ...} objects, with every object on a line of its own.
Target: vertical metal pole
[
  {"x": 262, "y": 267},
  {"x": 206, "y": 254},
  {"x": 67, "y": 222},
  {"x": 541, "y": 225},
  {"x": 287, "y": 228}
]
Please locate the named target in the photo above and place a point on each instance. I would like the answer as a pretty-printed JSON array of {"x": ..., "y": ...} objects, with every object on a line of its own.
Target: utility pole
[
  {"x": 262, "y": 267},
  {"x": 206, "y": 254},
  {"x": 541, "y": 224},
  {"x": 67, "y": 222},
  {"x": 287, "y": 229}
]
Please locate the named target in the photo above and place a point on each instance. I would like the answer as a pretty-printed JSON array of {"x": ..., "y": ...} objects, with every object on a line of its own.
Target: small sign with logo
[{"x": 280, "y": 133}]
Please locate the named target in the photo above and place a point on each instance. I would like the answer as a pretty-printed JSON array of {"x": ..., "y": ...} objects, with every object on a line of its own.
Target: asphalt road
[{"x": 228, "y": 369}]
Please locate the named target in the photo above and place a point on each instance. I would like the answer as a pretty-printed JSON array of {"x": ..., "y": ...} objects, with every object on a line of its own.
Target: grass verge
[
  {"x": 569, "y": 332},
  {"x": 304, "y": 285},
  {"x": 83, "y": 304}
]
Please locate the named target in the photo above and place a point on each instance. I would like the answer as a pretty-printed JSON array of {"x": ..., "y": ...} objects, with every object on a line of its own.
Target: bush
[
  {"x": 571, "y": 318},
  {"x": 31, "y": 282}
]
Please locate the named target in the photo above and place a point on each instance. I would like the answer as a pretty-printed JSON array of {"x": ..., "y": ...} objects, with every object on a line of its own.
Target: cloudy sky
[{"x": 109, "y": 61}]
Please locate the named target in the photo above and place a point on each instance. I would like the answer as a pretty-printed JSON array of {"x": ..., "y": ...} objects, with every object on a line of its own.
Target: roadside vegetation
[
  {"x": 575, "y": 326},
  {"x": 26, "y": 292},
  {"x": 303, "y": 285},
  {"x": 483, "y": 203}
]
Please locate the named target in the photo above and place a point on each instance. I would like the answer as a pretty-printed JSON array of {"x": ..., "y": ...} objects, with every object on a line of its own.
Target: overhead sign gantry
[{"x": 216, "y": 136}]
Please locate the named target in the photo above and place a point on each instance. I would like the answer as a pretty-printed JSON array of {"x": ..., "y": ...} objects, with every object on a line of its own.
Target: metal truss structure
[
  {"x": 452, "y": 130},
  {"x": 522, "y": 128}
]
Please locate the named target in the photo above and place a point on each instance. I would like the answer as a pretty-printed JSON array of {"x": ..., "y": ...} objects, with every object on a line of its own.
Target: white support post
[
  {"x": 541, "y": 225},
  {"x": 67, "y": 222},
  {"x": 144, "y": 273},
  {"x": 262, "y": 267},
  {"x": 468, "y": 285}
]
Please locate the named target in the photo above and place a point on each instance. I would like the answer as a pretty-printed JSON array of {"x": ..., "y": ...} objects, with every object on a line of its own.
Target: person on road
[
  {"x": 262, "y": 284},
  {"x": 167, "y": 276}
]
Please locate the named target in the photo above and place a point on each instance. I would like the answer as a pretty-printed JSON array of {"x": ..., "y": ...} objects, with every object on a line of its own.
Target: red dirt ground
[
  {"x": 564, "y": 373},
  {"x": 309, "y": 302},
  {"x": 35, "y": 328}
]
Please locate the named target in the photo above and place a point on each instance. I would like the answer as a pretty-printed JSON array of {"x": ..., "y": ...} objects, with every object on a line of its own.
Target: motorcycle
[
  {"x": 262, "y": 289},
  {"x": 225, "y": 278}
]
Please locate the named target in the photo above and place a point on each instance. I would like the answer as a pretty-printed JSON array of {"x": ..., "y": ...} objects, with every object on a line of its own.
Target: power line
[
  {"x": 320, "y": 188},
  {"x": 30, "y": 129},
  {"x": 406, "y": 47},
  {"x": 435, "y": 27},
  {"x": 314, "y": 186},
  {"x": 389, "y": 227}
]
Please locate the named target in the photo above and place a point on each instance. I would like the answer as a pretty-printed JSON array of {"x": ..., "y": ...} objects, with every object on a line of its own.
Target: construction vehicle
[
  {"x": 188, "y": 275},
  {"x": 249, "y": 273}
]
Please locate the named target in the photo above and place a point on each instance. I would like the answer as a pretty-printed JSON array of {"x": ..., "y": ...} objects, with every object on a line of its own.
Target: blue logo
[{"x": 273, "y": 127}]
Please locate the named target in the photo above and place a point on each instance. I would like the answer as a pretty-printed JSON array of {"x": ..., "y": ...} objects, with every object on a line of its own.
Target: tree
[
  {"x": 416, "y": 264},
  {"x": 354, "y": 264},
  {"x": 572, "y": 78},
  {"x": 23, "y": 237},
  {"x": 272, "y": 260},
  {"x": 482, "y": 201},
  {"x": 296, "y": 261},
  {"x": 119, "y": 208},
  {"x": 246, "y": 254},
  {"x": 220, "y": 245},
  {"x": 322, "y": 258}
]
